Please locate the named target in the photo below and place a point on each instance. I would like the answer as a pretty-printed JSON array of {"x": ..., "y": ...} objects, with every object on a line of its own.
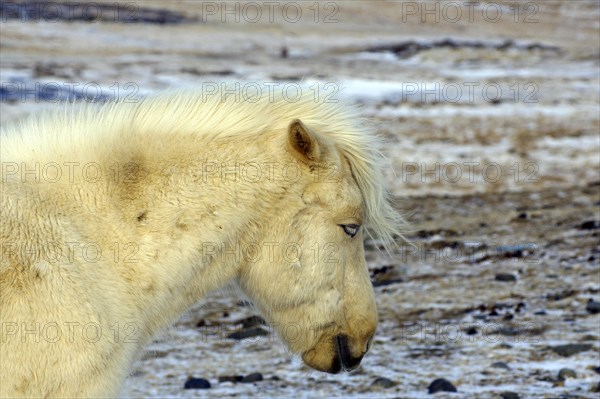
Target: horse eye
[{"x": 350, "y": 229}]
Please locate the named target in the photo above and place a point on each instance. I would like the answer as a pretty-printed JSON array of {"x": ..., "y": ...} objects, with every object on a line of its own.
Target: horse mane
[{"x": 84, "y": 126}]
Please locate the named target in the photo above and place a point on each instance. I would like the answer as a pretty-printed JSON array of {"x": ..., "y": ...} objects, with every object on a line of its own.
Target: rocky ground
[{"x": 491, "y": 129}]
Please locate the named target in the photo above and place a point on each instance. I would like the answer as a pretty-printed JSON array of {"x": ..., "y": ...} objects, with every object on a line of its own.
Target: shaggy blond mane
[{"x": 84, "y": 128}]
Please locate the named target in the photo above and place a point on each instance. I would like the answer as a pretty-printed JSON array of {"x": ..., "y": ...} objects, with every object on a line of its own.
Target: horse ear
[{"x": 304, "y": 142}]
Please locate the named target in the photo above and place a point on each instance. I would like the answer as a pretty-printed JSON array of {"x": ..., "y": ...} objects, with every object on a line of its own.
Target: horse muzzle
[{"x": 339, "y": 357}]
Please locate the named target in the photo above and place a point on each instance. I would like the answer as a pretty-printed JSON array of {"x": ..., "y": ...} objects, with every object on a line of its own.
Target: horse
[{"x": 118, "y": 217}]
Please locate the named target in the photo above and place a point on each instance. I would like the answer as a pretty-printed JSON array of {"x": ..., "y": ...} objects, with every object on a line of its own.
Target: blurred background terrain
[{"x": 490, "y": 117}]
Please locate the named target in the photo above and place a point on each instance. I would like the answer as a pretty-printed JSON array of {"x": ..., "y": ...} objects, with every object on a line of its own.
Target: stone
[
  {"x": 196, "y": 383},
  {"x": 506, "y": 277},
  {"x": 565, "y": 373},
  {"x": 441, "y": 385},
  {"x": 383, "y": 382},
  {"x": 570, "y": 349},
  {"x": 254, "y": 377}
]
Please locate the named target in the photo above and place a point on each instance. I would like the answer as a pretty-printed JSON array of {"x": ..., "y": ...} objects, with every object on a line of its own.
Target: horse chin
[
  {"x": 323, "y": 357},
  {"x": 332, "y": 356}
]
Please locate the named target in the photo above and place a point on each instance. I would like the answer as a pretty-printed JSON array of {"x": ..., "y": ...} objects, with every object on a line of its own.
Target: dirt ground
[{"x": 490, "y": 122}]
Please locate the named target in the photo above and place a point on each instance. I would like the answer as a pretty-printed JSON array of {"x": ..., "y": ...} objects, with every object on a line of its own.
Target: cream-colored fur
[{"x": 116, "y": 218}]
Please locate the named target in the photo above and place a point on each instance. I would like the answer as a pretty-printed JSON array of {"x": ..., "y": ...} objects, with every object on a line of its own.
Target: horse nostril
[
  {"x": 348, "y": 361},
  {"x": 369, "y": 344}
]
